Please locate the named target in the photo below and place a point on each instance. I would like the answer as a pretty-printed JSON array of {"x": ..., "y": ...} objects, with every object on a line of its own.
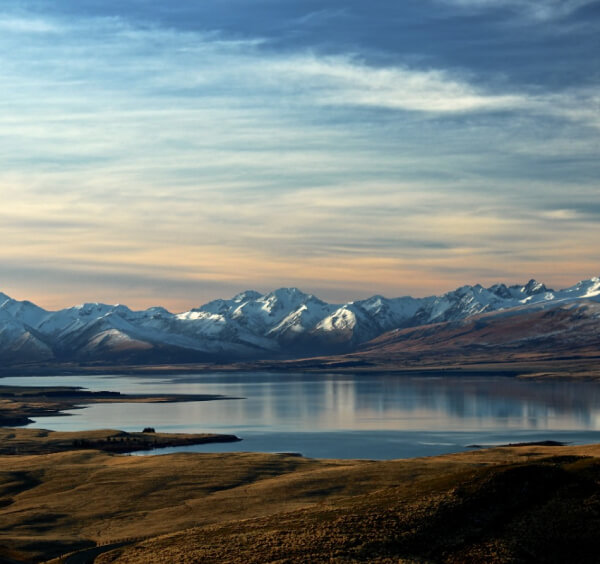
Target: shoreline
[{"x": 567, "y": 369}]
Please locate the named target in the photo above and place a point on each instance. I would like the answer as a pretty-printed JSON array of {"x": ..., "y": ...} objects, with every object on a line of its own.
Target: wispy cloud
[
  {"x": 539, "y": 9},
  {"x": 344, "y": 81},
  {"x": 319, "y": 16},
  {"x": 27, "y": 25}
]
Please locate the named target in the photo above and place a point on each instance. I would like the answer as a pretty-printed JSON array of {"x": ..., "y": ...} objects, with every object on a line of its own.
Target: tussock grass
[{"x": 498, "y": 505}]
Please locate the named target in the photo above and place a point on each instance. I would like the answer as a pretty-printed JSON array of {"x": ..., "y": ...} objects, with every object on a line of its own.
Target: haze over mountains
[{"x": 288, "y": 323}]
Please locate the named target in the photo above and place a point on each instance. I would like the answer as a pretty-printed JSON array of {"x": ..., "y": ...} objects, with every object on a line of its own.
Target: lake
[{"x": 343, "y": 416}]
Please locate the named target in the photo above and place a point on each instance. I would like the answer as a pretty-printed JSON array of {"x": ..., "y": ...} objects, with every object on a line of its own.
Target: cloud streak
[{"x": 540, "y": 9}]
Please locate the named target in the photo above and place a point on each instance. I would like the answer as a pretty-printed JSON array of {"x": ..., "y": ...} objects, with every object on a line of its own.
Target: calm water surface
[{"x": 342, "y": 416}]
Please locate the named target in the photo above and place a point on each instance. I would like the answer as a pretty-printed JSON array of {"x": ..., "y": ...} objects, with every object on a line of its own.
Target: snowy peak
[
  {"x": 287, "y": 294},
  {"x": 534, "y": 287},
  {"x": 246, "y": 296},
  {"x": 284, "y": 299}
]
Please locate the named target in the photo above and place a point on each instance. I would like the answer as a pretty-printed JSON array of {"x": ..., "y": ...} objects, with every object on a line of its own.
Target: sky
[{"x": 175, "y": 152}]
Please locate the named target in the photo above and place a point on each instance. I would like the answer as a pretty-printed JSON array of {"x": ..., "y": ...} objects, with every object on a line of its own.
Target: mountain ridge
[{"x": 284, "y": 323}]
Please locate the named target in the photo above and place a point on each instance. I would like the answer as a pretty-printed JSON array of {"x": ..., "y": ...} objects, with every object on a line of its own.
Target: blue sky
[{"x": 156, "y": 152}]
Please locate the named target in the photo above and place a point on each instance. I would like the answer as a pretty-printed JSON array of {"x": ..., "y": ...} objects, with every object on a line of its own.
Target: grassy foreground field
[{"x": 511, "y": 504}]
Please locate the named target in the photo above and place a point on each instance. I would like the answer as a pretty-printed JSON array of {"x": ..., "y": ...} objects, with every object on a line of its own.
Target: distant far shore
[{"x": 563, "y": 368}]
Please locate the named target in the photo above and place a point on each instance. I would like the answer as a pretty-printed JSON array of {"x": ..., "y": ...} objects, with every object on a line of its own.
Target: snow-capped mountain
[{"x": 284, "y": 323}]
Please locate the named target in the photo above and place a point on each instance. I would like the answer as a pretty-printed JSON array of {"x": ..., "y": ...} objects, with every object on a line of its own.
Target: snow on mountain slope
[
  {"x": 345, "y": 327},
  {"x": 285, "y": 322},
  {"x": 302, "y": 317},
  {"x": 25, "y": 312},
  {"x": 363, "y": 320},
  {"x": 18, "y": 344},
  {"x": 586, "y": 289},
  {"x": 60, "y": 324},
  {"x": 224, "y": 306},
  {"x": 263, "y": 313}
]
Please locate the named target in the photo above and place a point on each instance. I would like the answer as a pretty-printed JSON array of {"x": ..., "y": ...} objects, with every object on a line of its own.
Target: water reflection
[{"x": 430, "y": 412}]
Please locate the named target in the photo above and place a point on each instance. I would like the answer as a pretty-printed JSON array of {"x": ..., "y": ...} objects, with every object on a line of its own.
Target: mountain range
[{"x": 288, "y": 323}]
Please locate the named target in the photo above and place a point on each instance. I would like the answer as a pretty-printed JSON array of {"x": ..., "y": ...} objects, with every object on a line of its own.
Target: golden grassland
[{"x": 509, "y": 504}]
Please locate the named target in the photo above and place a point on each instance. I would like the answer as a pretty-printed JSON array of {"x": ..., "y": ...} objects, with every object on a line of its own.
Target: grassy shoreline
[{"x": 15, "y": 441}]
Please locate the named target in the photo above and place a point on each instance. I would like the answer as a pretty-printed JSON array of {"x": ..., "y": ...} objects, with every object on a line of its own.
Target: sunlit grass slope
[{"x": 507, "y": 504}]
